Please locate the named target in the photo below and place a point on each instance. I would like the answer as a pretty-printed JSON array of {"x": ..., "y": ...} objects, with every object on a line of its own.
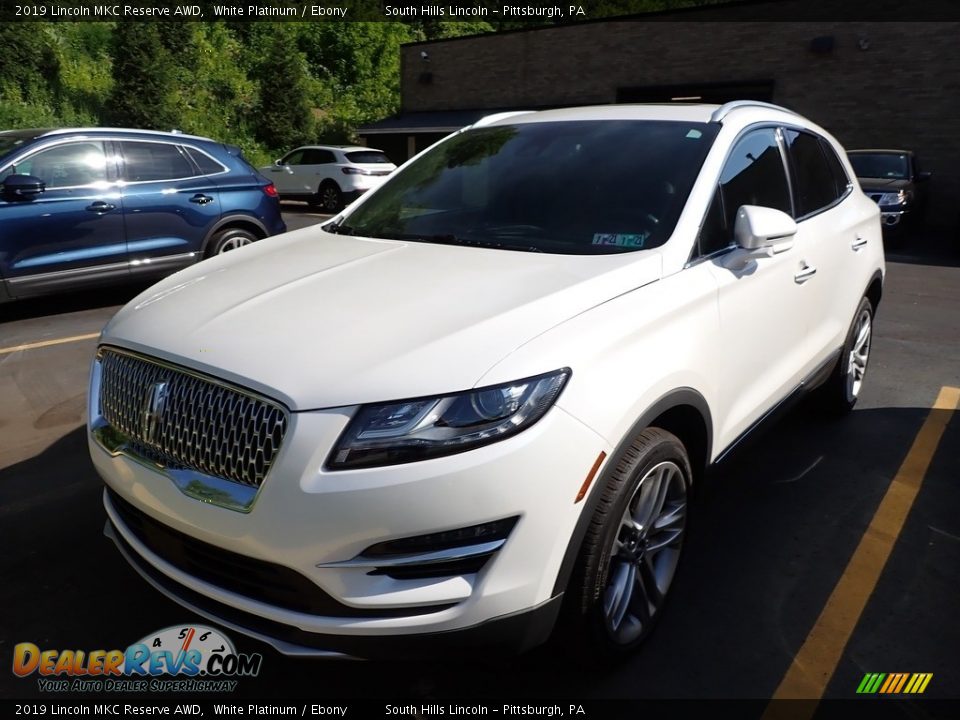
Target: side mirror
[
  {"x": 764, "y": 229},
  {"x": 22, "y": 187},
  {"x": 924, "y": 175},
  {"x": 278, "y": 163}
]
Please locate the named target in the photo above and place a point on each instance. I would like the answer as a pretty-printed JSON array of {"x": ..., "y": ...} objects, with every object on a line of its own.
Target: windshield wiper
[
  {"x": 339, "y": 229},
  {"x": 450, "y": 239}
]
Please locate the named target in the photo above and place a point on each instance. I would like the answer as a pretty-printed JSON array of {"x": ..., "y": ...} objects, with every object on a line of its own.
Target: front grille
[
  {"x": 183, "y": 420},
  {"x": 259, "y": 580}
]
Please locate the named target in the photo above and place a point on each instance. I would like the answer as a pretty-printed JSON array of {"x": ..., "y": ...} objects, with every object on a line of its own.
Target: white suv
[
  {"x": 329, "y": 175},
  {"x": 481, "y": 395}
]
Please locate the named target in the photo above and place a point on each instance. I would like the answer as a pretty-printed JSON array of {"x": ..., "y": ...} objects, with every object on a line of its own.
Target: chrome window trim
[{"x": 32, "y": 149}]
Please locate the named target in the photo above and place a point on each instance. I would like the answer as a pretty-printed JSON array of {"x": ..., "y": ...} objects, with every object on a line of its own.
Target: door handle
[
  {"x": 100, "y": 207},
  {"x": 201, "y": 199},
  {"x": 858, "y": 244},
  {"x": 805, "y": 274}
]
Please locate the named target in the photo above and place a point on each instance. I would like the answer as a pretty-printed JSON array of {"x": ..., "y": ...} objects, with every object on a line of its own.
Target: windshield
[
  {"x": 880, "y": 165},
  {"x": 581, "y": 187}
]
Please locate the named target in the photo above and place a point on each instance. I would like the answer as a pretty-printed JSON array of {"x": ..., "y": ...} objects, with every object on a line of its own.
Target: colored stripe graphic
[{"x": 894, "y": 683}]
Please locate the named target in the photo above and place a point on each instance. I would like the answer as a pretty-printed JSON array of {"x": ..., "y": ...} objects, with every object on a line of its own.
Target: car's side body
[
  {"x": 121, "y": 205},
  {"x": 700, "y": 337}
]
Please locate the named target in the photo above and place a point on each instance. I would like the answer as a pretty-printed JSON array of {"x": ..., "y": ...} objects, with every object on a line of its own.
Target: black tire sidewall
[
  {"x": 329, "y": 185},
  {"x": 590, "y": 579}
]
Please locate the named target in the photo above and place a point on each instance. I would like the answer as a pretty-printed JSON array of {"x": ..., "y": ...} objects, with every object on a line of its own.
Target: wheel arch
[
  {"x": 684, "y": 412},
  {"x": 874, "y": 290}
]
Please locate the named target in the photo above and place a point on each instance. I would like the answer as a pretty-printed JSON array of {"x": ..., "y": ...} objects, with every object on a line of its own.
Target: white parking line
[{"x": 48, "y": 343}]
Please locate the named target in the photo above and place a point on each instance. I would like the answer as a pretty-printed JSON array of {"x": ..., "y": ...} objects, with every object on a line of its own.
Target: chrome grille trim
[{"x": 182, "y": 420}]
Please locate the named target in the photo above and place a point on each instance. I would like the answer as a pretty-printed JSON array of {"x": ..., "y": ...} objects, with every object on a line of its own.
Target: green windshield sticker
[
  {"x": 695, "y": 134},
  {"x": 630, "y": 240}
]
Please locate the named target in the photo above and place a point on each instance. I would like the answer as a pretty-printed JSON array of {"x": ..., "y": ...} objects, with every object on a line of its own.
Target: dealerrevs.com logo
[{"x": 182, "y": 658}]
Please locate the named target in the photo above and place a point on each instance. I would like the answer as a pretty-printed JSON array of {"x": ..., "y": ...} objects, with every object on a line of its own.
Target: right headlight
[
  {"x": 422, "y": 428},
  {"x": 896, "y": 198}
]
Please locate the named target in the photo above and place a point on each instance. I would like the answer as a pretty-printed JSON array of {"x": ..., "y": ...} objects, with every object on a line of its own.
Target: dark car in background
[
  {"x": 90, "y": 206},
  {"x": 893, "y": 180}
]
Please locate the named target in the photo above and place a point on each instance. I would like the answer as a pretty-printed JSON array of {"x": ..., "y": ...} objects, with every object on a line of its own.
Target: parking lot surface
[{"x": 772, "y": 560}]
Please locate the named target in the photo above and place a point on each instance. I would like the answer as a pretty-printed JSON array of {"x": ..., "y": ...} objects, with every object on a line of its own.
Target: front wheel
[
  {"x": 633, "y": 545},
  {"x": 329, "y": 198}
]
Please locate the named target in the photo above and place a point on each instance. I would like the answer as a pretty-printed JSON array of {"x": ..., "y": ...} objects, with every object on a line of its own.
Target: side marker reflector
[{"x": 593, "y": 472}]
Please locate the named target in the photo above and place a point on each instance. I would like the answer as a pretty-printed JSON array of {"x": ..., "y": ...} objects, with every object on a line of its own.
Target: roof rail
[
  {"x": 61, "y": 131},
  {"x": 496, "y": 117},
  {"x": 721, "y": 112}
]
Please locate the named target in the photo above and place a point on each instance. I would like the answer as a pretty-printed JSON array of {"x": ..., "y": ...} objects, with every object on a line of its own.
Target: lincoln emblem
[{"x": 153, "y": 406}]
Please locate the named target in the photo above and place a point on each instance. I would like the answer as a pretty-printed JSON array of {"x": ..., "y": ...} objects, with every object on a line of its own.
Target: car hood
[
  {"x": 319, "y": 320},
  {"x": 883, "y": 184}
]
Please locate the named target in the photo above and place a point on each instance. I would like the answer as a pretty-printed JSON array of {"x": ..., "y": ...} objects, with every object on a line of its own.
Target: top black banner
[{"x": 526, "y": 12}]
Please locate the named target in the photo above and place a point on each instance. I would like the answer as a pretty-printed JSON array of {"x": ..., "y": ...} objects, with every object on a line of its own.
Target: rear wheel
[
  {"x": 230, "y": 239},
  {"x": 632, "y": 548},
  {"x": 842, "y": 390}
]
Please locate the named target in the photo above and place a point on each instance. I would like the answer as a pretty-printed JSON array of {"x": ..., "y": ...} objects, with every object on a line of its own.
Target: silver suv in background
[{"x": 329, "y": 176}]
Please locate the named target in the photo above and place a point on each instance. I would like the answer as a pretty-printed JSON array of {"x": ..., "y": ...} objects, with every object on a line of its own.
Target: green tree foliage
[
  {"x": 284, "y": 116},
  {"x": 144, "y": 75},
  {"x": 266, "y": 86}
]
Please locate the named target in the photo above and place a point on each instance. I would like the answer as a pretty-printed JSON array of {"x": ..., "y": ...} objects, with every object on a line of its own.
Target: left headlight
[{"x": 422, "y": 428}]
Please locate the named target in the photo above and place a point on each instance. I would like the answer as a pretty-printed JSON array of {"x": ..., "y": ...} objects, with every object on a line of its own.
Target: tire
[
  {"x": 230, "y": 239},
  {"x": 632, "y": 548},
  {"x": 841, "y": 392},
  {"x": 329, "y": 198}
]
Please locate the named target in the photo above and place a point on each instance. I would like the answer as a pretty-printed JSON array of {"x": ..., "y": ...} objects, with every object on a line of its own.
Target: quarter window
[
  {"x": 146, "y": 161},
  {"x": 753, "y": 175},
  {"x": 69, "y": 165},
  {"x": 815, "y": 184},
  {"x": 840, "y": 180},
  {"x": 206, "y": 164}
]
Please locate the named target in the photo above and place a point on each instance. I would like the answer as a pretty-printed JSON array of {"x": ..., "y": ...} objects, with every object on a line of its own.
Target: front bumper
[{"x": 305, "y": 517}]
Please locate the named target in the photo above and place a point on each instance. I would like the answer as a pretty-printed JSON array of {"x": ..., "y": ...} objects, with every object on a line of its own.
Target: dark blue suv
[{"x": 92, "y": 206}]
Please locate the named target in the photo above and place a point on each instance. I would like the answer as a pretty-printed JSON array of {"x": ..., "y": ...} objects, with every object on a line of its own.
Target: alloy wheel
[
  {"x": 645, "y": 553},
  {"x": 859, "y": 354}
]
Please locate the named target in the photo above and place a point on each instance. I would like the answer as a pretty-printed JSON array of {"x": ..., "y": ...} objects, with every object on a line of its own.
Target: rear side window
[
  {"x": 361, "y": 157},
  {"x": 753, "y": 175},
  {"x": 146, "y": 161},
  {"x": 207, "y": 165},
  {"x": 815, "y": 184},
  {"x": 318, "y": 157}
]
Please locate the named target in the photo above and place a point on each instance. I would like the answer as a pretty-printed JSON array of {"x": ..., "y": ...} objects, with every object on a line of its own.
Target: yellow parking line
[
  {"x": 816, "y": 661},
  {"x": 47, "y": 343}
]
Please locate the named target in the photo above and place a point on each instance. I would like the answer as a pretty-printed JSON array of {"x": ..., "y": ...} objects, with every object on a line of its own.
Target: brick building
[{"x": 871, "y": 83}]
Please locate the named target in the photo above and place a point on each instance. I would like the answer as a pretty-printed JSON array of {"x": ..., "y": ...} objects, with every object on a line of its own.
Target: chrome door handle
[
  {"x": 805, "y": 274},
  {"x": 201, "y": 199},
  {"x": 100, "y": 207},
  {"x": 858, "y": 244}
]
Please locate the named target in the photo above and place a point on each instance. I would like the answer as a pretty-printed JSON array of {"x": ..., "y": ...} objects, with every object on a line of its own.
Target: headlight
[
  {"x": 896, "y": 198},
  {"x": 422, "y": 428}
]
